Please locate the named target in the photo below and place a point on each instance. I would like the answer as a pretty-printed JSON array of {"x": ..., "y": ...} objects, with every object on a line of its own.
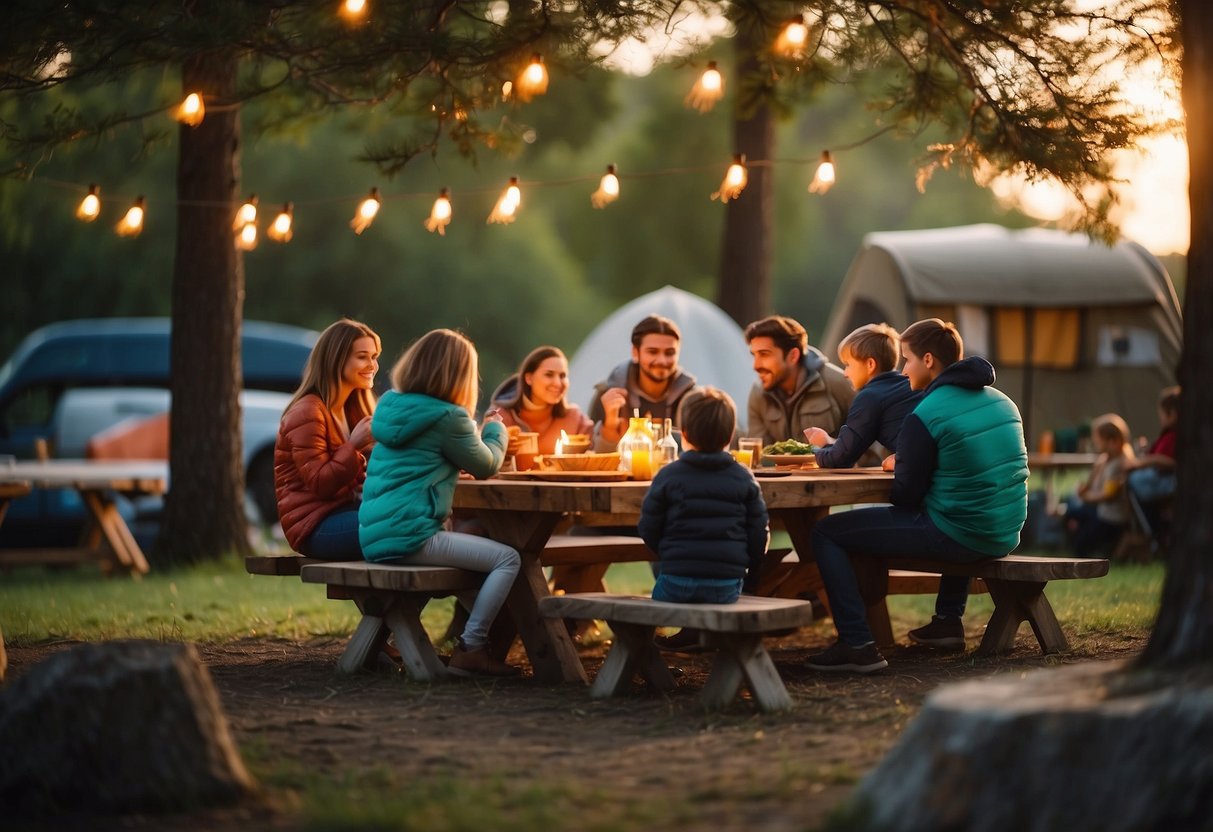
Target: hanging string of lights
[{"x": 792, "y": 42}]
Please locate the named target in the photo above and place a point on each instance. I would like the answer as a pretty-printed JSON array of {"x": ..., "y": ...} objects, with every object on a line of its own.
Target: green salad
[{"x": 792, "y": 447}]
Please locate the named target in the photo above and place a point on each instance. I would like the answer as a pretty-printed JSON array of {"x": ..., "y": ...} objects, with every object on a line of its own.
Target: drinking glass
[{"x": 753, "y": 444}]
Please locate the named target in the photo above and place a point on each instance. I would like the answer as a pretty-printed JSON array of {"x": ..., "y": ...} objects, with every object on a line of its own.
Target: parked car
[{"x": 68, "y": 381}]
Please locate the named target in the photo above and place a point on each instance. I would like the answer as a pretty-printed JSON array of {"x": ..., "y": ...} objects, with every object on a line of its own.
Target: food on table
[{"x": 788, "y": 447}]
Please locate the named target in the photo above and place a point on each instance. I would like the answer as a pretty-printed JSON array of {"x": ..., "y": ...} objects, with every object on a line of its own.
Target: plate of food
[{"x": 790, "y": 452}]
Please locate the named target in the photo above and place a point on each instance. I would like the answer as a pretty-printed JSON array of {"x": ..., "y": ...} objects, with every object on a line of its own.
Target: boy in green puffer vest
[{"x": 959, "y": 493}]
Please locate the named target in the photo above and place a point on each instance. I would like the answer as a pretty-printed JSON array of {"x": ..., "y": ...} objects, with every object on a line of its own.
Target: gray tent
[
  {"x": 713, "y": 346},
  {"x": 1074, "y": 328}
]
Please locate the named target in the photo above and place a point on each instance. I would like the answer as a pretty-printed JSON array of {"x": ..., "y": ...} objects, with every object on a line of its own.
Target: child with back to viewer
[
  {"x": 704, "y": 514},
  {"x": 883, "y": 397}
]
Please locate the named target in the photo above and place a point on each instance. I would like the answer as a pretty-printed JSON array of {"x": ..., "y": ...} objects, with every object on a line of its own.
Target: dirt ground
[{"x": 648, "y": 756}]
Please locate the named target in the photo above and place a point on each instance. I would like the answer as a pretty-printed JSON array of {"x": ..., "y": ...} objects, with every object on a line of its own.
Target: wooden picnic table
[
  {"x": 106, "y": 538},
  {"x": 524, "y": 513}
]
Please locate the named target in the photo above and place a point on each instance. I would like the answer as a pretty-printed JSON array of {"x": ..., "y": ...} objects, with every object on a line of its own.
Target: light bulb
[
  {"x": 280, "y": 229},
  {"x": 246, "y": 239},
  {"x": 132, "y": 223},
  {"x": 707, "y": 90},
  {"x": 246, "y": 213},
  {"x": 507, "y": 205},
  {"x": 735, "y": 179},
  {"x": 89, "y": 207},
  {"x": 534, "y": 79},
  {"x": 823, "y": 179},
  {"x": 608, "y": 189},
  {"x": 793, "y": 39},
  {"x": 365, "y": 215},
  {"x": 353, "y": 9},
  {"x": 440, "y": 214},
  {"x": 191, "y": 111}
]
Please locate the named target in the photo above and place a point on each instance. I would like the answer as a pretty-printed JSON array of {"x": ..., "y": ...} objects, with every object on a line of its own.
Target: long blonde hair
[
  {"x": 322, "y": 373},
  {"x": 442, "y": 364}
]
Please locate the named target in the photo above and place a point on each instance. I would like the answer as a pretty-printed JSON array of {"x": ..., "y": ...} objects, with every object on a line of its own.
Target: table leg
[
  {"x": 113, "y": 528},
  {"x": 551, "y": 651}
]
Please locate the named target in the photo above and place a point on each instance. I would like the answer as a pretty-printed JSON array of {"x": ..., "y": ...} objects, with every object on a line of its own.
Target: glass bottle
[
  {"x": 667, "y": 446},
  {"x": 636, "y": 449}
]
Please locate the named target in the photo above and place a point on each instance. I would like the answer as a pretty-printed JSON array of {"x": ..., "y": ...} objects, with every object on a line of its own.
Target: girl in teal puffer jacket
[{"x": 425, "y": 436}]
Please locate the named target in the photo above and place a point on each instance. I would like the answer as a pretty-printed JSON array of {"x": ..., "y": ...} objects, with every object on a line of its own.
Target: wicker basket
[{"x": 582, "y": 462}]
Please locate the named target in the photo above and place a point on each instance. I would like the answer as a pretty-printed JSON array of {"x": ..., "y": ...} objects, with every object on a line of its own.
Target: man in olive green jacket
[{"x": 797, "y": 387}]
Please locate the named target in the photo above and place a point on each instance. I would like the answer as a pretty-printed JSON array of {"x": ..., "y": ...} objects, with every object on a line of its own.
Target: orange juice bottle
[{"x": 636, "y": 449}]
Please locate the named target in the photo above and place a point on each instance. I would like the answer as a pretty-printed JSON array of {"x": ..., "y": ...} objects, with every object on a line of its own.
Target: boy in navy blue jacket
[
  {"x": 883, "y": 398},
  {"x": 704, "y": 514}
]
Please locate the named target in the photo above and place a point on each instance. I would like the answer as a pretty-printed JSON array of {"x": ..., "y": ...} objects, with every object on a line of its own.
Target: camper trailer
[{"x": 1073, "y": 328}]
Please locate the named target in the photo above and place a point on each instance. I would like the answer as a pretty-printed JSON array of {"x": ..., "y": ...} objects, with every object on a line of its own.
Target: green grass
[
  {"x": 1125, "y": 601},
  {"x": 219, "y": 602}
]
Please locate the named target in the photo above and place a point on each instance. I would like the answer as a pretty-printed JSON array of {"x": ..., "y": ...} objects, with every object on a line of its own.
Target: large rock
[
  {"x": 1070, "y": 749},
  {"x": 117, "y": 727}
]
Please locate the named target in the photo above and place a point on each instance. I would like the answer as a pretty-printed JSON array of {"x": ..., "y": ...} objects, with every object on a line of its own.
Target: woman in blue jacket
[{"x": 425, "y": 436}]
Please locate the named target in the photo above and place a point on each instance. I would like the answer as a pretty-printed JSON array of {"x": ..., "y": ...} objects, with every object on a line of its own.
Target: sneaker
[
  {"x": 842, "y": 657},
  {"x": 945, "y": 633},
  {"x": 478, "y": 662},
  {"x": 685, "y": 640}
]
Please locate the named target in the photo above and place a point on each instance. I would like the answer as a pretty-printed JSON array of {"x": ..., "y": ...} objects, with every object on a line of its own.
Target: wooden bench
[
  {"x": 390, "y": 599},
  {"x": 1016, "y": 584},
  {"x": 735, "y": 631},
  {"x": 579, "y": 562}
]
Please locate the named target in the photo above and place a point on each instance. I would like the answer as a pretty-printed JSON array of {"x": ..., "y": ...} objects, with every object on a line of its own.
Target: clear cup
[{"x": 753, "y": 444}]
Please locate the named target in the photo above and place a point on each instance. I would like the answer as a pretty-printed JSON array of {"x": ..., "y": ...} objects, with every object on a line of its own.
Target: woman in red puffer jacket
[{"x": 324, "y": 441}]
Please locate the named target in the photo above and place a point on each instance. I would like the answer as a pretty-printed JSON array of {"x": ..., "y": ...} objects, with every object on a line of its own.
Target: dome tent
[
  {"x": 713, "y": 346},
  {"x": 1073, "y": 328}
]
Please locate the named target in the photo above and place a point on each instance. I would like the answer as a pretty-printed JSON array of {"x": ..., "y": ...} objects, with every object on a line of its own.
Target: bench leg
[
  {"x": 1014, "y": 602},
  {"x": 416, "y": 651},
  {"x": 743, "y": 658},
  {"x": 364, "y": 644},
  {"x": 633, "y": 652}
]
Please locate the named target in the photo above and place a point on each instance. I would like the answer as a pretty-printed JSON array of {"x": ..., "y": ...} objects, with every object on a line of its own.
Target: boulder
[
  {"x": 1086, "y": 747},
  {"x": 117, "y": 727}
]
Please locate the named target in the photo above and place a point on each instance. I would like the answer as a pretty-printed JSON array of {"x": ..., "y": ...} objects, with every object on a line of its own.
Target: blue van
[{"x": 128, "y": 358}]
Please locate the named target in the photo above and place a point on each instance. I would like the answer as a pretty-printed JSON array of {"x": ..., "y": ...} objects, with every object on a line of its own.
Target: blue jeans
[
  {"x": 681, "y": 590},
  {"x": 336, "y": 538},
  {"x": 887, "y": 532},
  {"x": 477, "y": 554}
]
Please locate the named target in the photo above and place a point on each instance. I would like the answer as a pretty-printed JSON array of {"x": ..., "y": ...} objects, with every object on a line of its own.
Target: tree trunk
[
  {"x": 204, "y": 514},
  {"x": 1184, "y": 633},
  {"x": 744, "y": 292}
]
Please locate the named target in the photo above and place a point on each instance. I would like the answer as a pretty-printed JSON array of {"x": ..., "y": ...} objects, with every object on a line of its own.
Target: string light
[
  {"x": 89, "y": 207},
  {"x": 191, "y": 111},
  {"x": 280, "y": 229},
  {"x": 365, "y": 215},
  {"x": 353, "y": 9},
  {"x": 507, "y": 206},
  {"x": 132, "y": 223},
  {"x": 707, "y": 90},
  {"x": 246, "y": 239},
  {"x": 534, "y": 79},
  {"x": 735, "y": 179},
  {"x": 246, "y": 213},
  {"x": 440, "y": 214},
  {"x": 608, "y": 189},
  {"x": 823, "y": 179},
  {"x": 793, "y": 39}
]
